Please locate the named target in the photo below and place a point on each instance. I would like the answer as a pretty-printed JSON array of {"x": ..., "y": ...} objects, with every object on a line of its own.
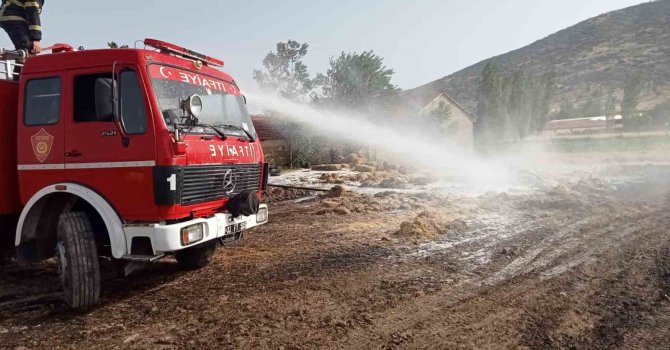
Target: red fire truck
[{"x": 127, "y": 155}]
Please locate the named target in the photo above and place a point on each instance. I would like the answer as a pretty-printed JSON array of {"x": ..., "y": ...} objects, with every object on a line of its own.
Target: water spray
[{"x": 415, "y": 149}]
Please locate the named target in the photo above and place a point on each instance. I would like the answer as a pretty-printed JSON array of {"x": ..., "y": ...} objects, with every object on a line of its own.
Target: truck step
[{"x": 142, "y": 258}]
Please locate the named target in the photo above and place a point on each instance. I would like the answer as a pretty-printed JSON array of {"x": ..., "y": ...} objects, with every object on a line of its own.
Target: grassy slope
[{"x": 597, "y": 54}]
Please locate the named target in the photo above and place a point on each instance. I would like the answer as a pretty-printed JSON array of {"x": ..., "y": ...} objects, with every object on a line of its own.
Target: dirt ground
[{"x": 584, "y": 264}]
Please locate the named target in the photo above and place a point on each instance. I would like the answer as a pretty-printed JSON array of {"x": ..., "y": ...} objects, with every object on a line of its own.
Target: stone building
[{"x": 272, "y": 134}]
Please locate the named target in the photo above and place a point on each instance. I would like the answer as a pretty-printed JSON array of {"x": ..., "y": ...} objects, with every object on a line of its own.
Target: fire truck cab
[{"x": 127, "y": 154}]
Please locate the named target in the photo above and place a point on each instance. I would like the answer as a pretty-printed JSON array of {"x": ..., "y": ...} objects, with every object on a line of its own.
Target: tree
[
  {"x": 660, "y": 115},
  {"x": 544, "y": 93},
  {"x": 114, "y": 45},
  {"x": 519, "y": 104},
  {"x": 356, "y": 80},
  {"x": 631, "y": 97},
  {"x": 490, "y": 105},
  {"x": 610, "y": 110},
  {"x": 441, "y": 118},
  {"x": 512, "y": 106},
  {"x": 550, "y": 88},
  {"x": 284, "y": 72},
  {"x": 302, "y": 146},
  {"x": 567, "y": 110},
  {"x": 590, "y": 108}
]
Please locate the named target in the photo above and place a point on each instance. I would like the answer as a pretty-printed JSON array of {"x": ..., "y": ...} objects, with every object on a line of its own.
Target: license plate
[{"x": 235, "y": 228}]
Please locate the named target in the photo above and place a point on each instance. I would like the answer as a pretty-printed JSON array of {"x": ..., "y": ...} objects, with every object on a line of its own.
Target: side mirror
[
  {"x": 104, "y": 104},
  {"x": 116, "y": 108}
]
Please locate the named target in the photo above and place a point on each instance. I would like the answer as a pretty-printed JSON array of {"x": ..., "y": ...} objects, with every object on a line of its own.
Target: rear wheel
[
  {"x": 7, "y": 232},
  {"x": 78, "y": 261},
  {"x": 196, "y": 257}
]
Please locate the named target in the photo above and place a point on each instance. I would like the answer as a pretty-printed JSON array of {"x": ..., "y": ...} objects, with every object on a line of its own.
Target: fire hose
[
  {"x": 22, "y": 54},
  {"x": 17, "y": 55}
]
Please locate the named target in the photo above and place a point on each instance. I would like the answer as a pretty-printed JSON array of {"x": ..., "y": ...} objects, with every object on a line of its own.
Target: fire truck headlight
[
  {"x": 262, "y": 215},
  {"x": 192, "y": 234},
  {"x": 195, "y": 105}
]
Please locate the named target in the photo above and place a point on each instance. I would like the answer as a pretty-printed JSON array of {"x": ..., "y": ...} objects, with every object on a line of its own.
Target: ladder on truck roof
[{"x": 9, "y": 65}]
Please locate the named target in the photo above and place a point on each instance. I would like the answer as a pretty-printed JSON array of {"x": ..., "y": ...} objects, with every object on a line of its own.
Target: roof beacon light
[
  {"x": 56, "y": 48},
  {"x": 184, "y": 52}
]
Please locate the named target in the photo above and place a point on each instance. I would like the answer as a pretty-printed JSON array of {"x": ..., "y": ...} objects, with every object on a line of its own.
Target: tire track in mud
[
  {"x": 623, "y": 295},
  {"x": 573, "y": 245},
  {"x": 550, "y": 253},
  {"x": 141, "y": 303},
  {"x": 402, "y": 324}
]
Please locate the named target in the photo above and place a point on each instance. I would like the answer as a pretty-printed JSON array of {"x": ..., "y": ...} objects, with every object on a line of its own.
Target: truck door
[
  {"x": 40, "y": 134},
  {"x": 113, "y": 157}
]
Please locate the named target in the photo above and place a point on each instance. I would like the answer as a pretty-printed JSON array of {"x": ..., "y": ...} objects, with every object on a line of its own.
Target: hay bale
[
  {"x": 368, "y": 183},
  {"x": 424, "y": 226},
  {"x": 412, "y": 229},
  {"x": 423, "y": 180},
  {"x": 327, "y": 167},
  {"x": 333, "y": 178},
  {"x": 341, "y": 211},
  {"x": 390, "y": 167},
  {"x": 364, "y": 168},
  {"x": 354, "y": 159},
  {"x": 393, "y": 183},
  {"x": 329, "y": 204},
  {"x": 336, "y": 191}
]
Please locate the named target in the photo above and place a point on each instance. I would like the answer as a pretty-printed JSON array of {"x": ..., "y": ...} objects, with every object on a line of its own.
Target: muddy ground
[{"x": 581, "y": 264}]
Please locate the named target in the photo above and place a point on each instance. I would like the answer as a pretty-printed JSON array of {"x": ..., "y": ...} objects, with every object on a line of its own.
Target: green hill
[{"x": 591, "y": 60}]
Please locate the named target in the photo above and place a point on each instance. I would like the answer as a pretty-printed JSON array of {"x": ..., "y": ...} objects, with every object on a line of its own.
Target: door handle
[{"x": 73, "y": 154}]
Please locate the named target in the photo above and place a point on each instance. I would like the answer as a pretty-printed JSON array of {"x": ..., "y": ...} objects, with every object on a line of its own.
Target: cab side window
[
  {"x": 42, "y": 101},
  {"x": 84, "y": 98},
  {"x": 133, "y": 111}
]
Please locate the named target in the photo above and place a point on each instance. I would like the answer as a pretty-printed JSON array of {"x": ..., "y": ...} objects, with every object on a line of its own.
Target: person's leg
[{"x": 18, "y": 33}]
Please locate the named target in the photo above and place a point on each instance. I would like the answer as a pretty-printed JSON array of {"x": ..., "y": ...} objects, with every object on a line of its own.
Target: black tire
[
  {"x": 196, "y": 257},
  {"x": 78, "y": 261}
]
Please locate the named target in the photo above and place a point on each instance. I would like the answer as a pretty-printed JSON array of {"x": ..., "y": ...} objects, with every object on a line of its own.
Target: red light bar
[
  {"x": 56, "y": 48},
  {"x": 181, "y": 51}
]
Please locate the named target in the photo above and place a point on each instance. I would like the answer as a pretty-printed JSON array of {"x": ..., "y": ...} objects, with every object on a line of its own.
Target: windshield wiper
[
  {"x": 231, "y": 126},
  {"x": 218, "y": 132}
]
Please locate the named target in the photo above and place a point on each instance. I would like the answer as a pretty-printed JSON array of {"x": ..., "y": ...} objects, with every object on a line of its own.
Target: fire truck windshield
[{"x": 222, "y": 104}]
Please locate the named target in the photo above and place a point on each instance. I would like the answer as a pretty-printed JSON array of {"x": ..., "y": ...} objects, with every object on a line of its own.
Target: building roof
[
  {"x": 453, "y": 102},
  {"x": 579, "y": 123}
]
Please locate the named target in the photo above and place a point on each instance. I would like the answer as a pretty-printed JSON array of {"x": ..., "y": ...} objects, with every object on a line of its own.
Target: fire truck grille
[{"x": 212, "y": 182}]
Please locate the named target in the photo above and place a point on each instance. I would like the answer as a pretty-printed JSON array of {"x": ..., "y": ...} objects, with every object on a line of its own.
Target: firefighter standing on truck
[{"x": 21, "y": 20}]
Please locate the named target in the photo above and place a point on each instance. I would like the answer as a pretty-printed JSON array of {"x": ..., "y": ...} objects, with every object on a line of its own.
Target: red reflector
[
  {"x": 184, "y": 52},
  {"x": 61, "y": 187}
]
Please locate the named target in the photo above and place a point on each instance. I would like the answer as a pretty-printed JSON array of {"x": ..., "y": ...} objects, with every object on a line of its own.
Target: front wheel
[
  {"x": 196, "y": 257},
  {"x": 78, "y": 261}
]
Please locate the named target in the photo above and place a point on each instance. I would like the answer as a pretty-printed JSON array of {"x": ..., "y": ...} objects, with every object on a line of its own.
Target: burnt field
[{"x": 580, "y": 262}]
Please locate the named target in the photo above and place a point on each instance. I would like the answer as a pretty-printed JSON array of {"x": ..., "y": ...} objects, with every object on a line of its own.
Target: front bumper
[{"x": 167, "y": 238}]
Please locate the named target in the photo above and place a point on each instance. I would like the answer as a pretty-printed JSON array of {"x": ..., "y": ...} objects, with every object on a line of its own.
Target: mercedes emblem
[{"x": 229, "y": 182}]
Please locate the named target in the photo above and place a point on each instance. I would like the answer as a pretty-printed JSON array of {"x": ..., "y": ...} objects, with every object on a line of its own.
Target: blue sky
[{"x": 421, "y": 40}]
